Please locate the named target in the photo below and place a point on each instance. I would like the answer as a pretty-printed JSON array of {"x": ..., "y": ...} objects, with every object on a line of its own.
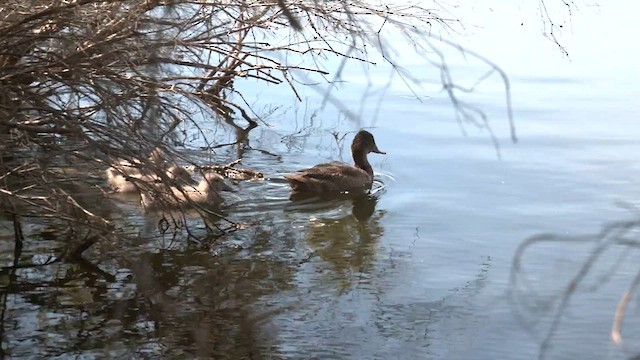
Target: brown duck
[{"x": 337, "y": 176}]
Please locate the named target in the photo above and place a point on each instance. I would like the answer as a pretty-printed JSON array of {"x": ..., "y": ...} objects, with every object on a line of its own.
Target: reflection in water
[
  {"x": 159, "y": 304},
  {"x": 364, "y": 204},
  {"x": 347, "y": 242},
  {"x": 363, "y": 207},
  {"x": 64, "y": 293},
  {"x": 542, "y": 297},
  {"x": 201, "y": 305},
  {"x": 164, "y": 295}
]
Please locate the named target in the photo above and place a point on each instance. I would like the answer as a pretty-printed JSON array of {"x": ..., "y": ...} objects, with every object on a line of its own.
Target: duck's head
[
  {"x": 180, "y": 175},
  {"x": 364, "y": 142}
]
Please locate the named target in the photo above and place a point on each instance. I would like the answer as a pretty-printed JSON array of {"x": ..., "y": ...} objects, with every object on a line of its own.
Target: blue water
[{"x": 439, "y": 282}]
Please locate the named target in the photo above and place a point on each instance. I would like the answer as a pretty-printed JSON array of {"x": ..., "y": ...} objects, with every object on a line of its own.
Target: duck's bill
[{"x": 377, "y": 151}]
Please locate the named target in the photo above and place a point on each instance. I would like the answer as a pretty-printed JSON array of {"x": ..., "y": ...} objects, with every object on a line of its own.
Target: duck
[
  {"x": 125, "y": 181},
  {"x": 338, "y": 176},
  {"x": 207, "y": 193}
]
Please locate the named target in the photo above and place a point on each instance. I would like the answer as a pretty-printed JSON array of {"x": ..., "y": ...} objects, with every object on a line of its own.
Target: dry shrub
[{"x": 86, "y": 83}]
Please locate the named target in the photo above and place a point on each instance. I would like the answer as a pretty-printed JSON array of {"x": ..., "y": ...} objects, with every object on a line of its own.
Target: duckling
[
  {"x": 205, "y": 194},
  {"x": 337, "y": 176},
  {"x": 130, "y": 183}
]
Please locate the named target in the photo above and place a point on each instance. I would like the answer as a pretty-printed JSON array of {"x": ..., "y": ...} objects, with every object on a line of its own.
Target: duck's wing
[
  {"x": 336, "y": 171},
  {"x": 329, "y": 177}
]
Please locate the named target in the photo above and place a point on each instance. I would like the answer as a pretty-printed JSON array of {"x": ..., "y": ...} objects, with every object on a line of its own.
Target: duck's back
[{"x": 329, "y": 177}]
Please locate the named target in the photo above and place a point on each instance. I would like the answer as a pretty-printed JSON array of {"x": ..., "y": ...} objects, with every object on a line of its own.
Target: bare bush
[{"x": 87, "y": 83}]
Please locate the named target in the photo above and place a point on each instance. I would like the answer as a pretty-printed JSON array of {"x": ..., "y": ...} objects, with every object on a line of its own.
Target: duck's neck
[{"x": 361, "y": 161}]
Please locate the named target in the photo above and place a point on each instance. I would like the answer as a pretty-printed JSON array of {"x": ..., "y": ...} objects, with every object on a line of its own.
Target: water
[{"x": 423, "y": 270}]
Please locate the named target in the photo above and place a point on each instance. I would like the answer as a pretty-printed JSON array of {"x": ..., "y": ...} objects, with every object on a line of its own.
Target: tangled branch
[{"x": 88, "y": 84}]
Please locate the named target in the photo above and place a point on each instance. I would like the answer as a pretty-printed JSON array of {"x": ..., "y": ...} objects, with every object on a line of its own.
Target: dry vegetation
[{"x": 86, "y": 83}]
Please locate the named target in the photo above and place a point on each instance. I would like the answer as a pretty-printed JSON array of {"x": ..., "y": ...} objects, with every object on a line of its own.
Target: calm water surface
[{"x": 424, "y": 268}]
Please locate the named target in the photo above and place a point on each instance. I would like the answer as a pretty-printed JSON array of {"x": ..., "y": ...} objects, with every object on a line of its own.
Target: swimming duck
[
  {"x": 205, "y": 194},
  {"x": 337, "y": 176},
  {"x": 130, "y": 182}
]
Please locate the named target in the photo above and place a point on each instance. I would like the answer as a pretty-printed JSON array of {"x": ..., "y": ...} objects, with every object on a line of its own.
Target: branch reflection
[{"x": 552, "y": 275}]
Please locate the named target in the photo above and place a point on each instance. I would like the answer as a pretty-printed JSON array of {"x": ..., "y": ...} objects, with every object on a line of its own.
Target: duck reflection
[
  {"x": 363, "y": 207},
  {"x": 347, "y": 243},
  {"x": 363, "y": 204}
]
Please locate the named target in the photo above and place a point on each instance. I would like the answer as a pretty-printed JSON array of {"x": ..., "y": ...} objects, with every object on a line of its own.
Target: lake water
[{"x": 466, "y": 251}]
